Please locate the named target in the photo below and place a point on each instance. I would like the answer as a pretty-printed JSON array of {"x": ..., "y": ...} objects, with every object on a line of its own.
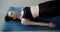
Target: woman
[{"x": 46, "y": 10}]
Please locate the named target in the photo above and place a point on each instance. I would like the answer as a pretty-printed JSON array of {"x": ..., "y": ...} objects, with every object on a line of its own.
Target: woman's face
[{"x": 15, "y": 15}]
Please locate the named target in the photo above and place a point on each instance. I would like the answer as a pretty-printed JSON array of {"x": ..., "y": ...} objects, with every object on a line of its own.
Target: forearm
[
  {"x": 37, "y": 23},
  {"x": 41, "y": 24}
]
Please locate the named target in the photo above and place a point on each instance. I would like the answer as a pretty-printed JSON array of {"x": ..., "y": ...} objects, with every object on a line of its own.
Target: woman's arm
[{"x": 29, "y": 22}]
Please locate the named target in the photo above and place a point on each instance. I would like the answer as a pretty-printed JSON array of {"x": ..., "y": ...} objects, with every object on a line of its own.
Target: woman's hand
[{"x": 53, "y": 25}]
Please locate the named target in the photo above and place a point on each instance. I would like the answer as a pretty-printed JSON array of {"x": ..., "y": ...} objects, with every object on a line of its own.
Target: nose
[{"x": 15, "y": 15}]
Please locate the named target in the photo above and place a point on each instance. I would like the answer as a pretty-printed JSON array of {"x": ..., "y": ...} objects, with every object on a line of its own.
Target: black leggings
[
  {"x": 49, "y": 9},
  {"x": 50, "y": 12}
]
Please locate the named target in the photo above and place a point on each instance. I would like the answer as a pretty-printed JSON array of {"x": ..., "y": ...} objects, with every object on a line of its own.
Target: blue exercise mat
[{"x": 16, "y": 25}]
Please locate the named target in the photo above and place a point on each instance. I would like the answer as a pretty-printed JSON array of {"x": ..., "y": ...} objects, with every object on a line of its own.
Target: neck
[{"x": 19, "y": 16}]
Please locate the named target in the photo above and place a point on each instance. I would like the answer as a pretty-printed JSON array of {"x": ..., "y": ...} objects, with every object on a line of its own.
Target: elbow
[{"x": 24, "y": 22}]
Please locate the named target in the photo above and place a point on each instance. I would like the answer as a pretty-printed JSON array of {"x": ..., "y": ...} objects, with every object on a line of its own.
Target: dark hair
[{"x": 7, "y": 18}]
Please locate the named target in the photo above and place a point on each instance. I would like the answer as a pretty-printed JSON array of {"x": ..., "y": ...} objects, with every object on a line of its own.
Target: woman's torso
[{"x": 46, "y": 10}]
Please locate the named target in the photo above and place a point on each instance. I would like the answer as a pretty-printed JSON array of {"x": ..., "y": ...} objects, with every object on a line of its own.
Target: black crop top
[{"x": 27, "y": 13}]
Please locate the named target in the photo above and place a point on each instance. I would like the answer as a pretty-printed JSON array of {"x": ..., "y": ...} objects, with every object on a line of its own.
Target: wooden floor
[{"x": 31, "y": 31}]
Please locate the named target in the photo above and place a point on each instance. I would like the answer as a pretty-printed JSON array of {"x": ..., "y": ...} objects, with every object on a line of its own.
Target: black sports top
[{"x": 47, "y": 10}]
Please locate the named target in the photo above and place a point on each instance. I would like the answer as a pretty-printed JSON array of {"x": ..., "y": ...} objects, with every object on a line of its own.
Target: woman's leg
[{"x": 49, "y": 9}]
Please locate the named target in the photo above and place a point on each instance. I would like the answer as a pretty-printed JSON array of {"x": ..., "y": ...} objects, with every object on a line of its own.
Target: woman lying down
[{"x": 28, "y": 15}]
